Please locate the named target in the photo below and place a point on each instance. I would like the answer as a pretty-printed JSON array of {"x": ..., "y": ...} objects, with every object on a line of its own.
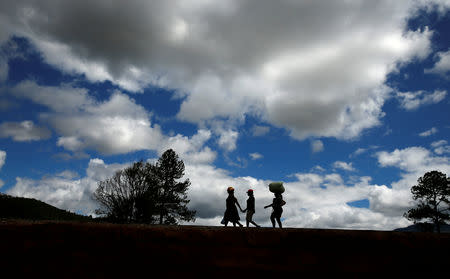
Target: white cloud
[
  {"x": 304, "y": 79},
  {"x": 440, "y": 147},
  {"x": 68, "y": 174},
  {"x": 318, "y": 168},
  {"x": 313, "y": 200},
  {"x": 429, "y": 132},
  {"x": 116, "y": 125},
  {"x": 414, "y": 163},
  {"x": 192, "y": 149},
  {"x": 62, "y": 99},
  {"x": 359, "y": 151},
  {"x": 256, "y": 155},
  {"x": 343, "y": 166},
  {"x": 412, "y": 159},
  {"x": 414, "y": 100},
  {"x": 2, "y": 158},
  {"x": 227, "y": 139},
  {"x": 442, "y": 66},
  {"x": 23, "y": 131},
  {"x": 63, "y": 190},
  {"x": 317, "y": 146}
]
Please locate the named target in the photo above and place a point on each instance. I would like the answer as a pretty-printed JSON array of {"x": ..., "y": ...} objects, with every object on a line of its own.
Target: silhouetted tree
[
  {"x": 432, "y": 194},
  {"x": 172, "y": 197},
  {"x": 130, "y": 195},
  {"x": 147, "y": 193}
]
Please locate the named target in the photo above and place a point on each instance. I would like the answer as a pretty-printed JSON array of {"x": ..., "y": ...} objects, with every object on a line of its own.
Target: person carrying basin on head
[
  {"x": 250, "y": 208},
  {"x": 277, "y": 204},
  {"x": 231, "y": 212}
]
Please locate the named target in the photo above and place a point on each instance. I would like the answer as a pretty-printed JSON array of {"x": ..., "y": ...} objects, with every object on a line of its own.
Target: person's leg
[
  {"x": 240, "y": 225},
  {"x": 279, "y": 222},
  {"x": 234, "y": 224},
  {"x": 272, "y": 219},
  {"x": 226, "y": 223},
  {"x": 247, "y": 222},
  {"x": 256, "y": 225}
]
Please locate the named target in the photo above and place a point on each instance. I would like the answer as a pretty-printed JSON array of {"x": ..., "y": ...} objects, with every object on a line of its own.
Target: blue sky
[{"x": 347, "y": 103}]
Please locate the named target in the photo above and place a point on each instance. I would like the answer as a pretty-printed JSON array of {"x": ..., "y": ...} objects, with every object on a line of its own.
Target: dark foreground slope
[{"x": 87, "y": 250}]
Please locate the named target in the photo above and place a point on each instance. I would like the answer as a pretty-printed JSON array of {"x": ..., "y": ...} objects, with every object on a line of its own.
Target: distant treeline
[{"x": 32, "y": 209}]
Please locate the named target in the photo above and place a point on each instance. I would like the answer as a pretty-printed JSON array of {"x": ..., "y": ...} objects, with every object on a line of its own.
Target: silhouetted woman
[
  {"x": 231, "y": 213},
  {"x": 276, "y": 204},
  {"x": 250, "y": 208}
]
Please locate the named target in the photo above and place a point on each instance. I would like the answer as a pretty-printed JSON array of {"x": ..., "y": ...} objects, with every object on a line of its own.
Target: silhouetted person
[
  {"x": 276, "y": 205},
  {"x": 231, "y": 213},
  {"x": 250, "y": 208}
]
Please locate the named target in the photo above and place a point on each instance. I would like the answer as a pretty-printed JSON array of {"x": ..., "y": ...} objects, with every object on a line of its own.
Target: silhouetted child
[
  {"x": 276, "y": 204},
  {"x": 250, "y": 208},
  {"x": 231, "y": 212}
]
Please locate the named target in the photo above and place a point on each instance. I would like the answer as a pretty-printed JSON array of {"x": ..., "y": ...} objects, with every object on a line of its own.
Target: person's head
[
  {"x": 230, "y": 190},
  {"x": 250, "y": 192}
]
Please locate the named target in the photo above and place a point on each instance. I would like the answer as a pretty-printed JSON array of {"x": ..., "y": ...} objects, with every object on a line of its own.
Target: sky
[{"x": 346, "y": 102}]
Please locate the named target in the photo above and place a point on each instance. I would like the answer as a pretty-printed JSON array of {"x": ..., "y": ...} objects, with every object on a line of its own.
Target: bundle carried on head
[{"x": 276, "y": 187}]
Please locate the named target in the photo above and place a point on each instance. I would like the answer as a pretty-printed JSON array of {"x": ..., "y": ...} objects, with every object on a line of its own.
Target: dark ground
[{"x": 92, "y": 250}]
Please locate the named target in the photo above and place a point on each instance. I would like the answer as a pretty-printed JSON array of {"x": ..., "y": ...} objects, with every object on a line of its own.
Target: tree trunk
[
  {"x": 161, "y": 214},
  {"x": 436, "y": 218}
]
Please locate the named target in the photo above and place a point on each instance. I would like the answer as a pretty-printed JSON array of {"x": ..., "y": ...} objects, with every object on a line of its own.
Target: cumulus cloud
[
  {"x": 23, "y": 131},
  {"x": 414, "y": 162},
  {"x": 412, "y": 159},
  {"x": 64, "y": 190},
  {"x": 343, "y": 166},
  {"x": 440, "y": 147},
  {"x": 316, "y": 200},
  {"x": 442, "y": 65},
  {"x": 227, "y": 139},
  {"x": 414, "y": 100},
  {"x": 115, "y": 125},
  {"x": 192, "y": 150},
  {"x": 429, "y": 132},
  {"x": 313, "y": 200},
  {"x": 289, "y": 63},
  {"x": 317, "y": 146}
]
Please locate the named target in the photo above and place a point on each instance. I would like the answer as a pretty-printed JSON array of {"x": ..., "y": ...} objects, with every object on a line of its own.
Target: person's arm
[
  {"x": 268, "y": 205},
  {"x": 238, "y": 204}
]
